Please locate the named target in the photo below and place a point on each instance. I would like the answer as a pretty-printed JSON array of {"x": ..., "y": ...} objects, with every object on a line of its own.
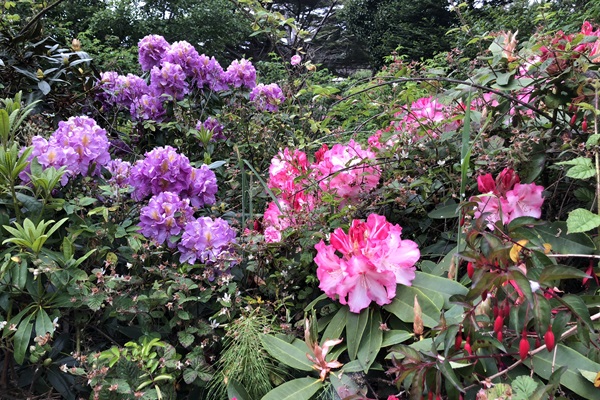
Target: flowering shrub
[
  {"x": 455, "y": 249},
  {"x": 374, "y": 260}
]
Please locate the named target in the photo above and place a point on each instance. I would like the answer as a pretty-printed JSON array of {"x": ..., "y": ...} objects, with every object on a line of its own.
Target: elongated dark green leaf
[
  {"x": 565, "y": 243},
  {"x": 448, "y": 372},
  {"x": 236, "y": 390},
  {"x": 43, "y": 323},
  {"x": 336, "y": 325},
  {"x": 443, "y": 286},
  {"x": 579, "y": 308},
  {"x": 22, "y": 338},
  {"x": 4, "y": 125},
  {"x": 545, "y": 362},
  {"x": 355, "y": 326},
  {"x": 541, "y": 313},
  {"x": 555, "y": 272},
  {"x": 286, "y": 353},
  {"x": 371, "y": 341},
  {"x": 403, "y": 306},
  {"x": 444, "y": 212},
  {"x": 393, "y": 337},
  {"x": 297, "y": 389}
]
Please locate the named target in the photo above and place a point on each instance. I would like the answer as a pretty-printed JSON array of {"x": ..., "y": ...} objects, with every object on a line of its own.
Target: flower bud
[
  {"x": 418, "y": 327},
  {"x": 470, "y": 270},
  {"x": 524, "y": 346},
  {"x": 549, "y": 338},
  {"x": 584, "y": 125},
  {"x": 573, "y": 119},
  {"x": 500, "y": 336},
  {"x": 498, "y": 324},
  {"x": 458, "y": 341}
]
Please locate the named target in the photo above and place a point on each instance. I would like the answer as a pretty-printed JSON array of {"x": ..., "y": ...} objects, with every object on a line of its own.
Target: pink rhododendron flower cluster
[
  {"x": 267, "y": 97},
  {"x": 342, "y": 171},
  {"x": 240, "y": 73},
  {"x": 78, "y": 144},
  {"x": 505, "y": 198},
  {"x": 366, "y": 264}
]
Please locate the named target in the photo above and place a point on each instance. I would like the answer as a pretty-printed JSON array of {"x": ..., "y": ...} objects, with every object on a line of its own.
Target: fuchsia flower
[
  {"x": 374, "y": 259},
  {"x": 505, "y": 198}
]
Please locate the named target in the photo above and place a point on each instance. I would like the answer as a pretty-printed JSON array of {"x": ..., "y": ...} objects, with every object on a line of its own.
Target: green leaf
[
  {"x": 545, "y": 362},
  {"x": 403, "y": 306},
  {"x": 562, "y": 242},
  {"x": 371, "y": 341},
  {"x": 444, "y": 212},
  {"x": 4, "y": 126},
  {"x": 541, "y": 313},
  {"x": 524, "y": 386},
  {"x": 582, "y": 220},
  {"x": 236, "y": 390},
  {"x": 336, "y": 325},
  {"x": 578, "y": 308},
  {"x": 443, "y": 286},
  {"x": 43, "y": 323},
  {"x": 393, "y": 337},
  {"x": 556, "y": 272},
  {"x": 286, "y": 353},
  {"x": 186, "y": 339},
  {"x": 355, "y": 326},
  {"x": 22, "y": 338},
  {"x": 448, "y": 372},
  {"x": 581, "y": 168},
  {"x": 297, "y": 389}
]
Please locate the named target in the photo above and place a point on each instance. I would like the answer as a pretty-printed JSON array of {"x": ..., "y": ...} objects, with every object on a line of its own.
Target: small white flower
[
  {"x": 213, "y": 323},
  {"x": 535, "y": 286}
]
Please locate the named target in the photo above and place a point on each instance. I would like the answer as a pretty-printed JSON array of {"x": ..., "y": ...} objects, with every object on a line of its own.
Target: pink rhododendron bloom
[
  {"x": 344, "y": 171},
  {"x": 525, "y": 200},
  {"x": 506, "y": 198},
  {"x": 374, "y": 260},
  {"x": 296, "y": 60}
]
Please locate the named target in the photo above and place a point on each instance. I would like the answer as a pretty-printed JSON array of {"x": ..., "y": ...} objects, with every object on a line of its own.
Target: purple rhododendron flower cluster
[
  {"x": 212, "y": 125},
  {"x": 165, "y": 170},
  {"x": 168, "y": 79},
  {"x": 165, "y": 216},
  {"x": 175, "y": 69},
  {"x": 151, "y": 50},
  {"x": 119, "y": 171},
  {"x": 267, "y": 97},
  {"x": 241, "y": 73},
  {"x": 206, "y": 240},
  {"x": 78, "y": 144}
]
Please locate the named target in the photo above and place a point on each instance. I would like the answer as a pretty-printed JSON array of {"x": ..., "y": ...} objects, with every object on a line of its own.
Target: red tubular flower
[
  {"x": 470, "y": 270},
  {"x": 549, "y": 338},
  {"x": 524, "y": 346},
  {"x": 498, "y": 324}
]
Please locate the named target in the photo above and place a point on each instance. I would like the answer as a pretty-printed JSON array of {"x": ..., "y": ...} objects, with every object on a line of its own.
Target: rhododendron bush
[{"x": 199, "y": 232}]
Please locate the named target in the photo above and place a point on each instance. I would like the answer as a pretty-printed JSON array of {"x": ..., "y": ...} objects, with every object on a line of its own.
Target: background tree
[{"x": 381, "y": 26}]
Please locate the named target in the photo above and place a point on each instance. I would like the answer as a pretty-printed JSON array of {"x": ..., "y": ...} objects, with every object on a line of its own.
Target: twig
[{"x": 573, "y": 255}]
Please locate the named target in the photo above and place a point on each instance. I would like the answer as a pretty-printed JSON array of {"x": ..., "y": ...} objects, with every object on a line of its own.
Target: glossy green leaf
[
  {"x": 565, "y": 243},
  {"x": 556, "y": 272},
  {"x": 355, "y": 326},
  {"x": 393, "y": 337},
  {"x": 443, "y": 286},
  {"x": 236, "y": 390},
  {"x": 286, "y": 353},
  {"x": 546, "y": 362},
  {"x": 579, "y": 308},
  {"x": 43, "y": 323},
  {"x": 4, "y": 126},
  {"x": 541, "y": 313},
  {"x": 403, "y": 306},
  {"x": 448, "y": 372},
  {"x": 297, "y": 389},
  {"x": 22, "y": 338},
  {"x": 336, "y": 325},
  {"x": 371, "y": 341}
]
